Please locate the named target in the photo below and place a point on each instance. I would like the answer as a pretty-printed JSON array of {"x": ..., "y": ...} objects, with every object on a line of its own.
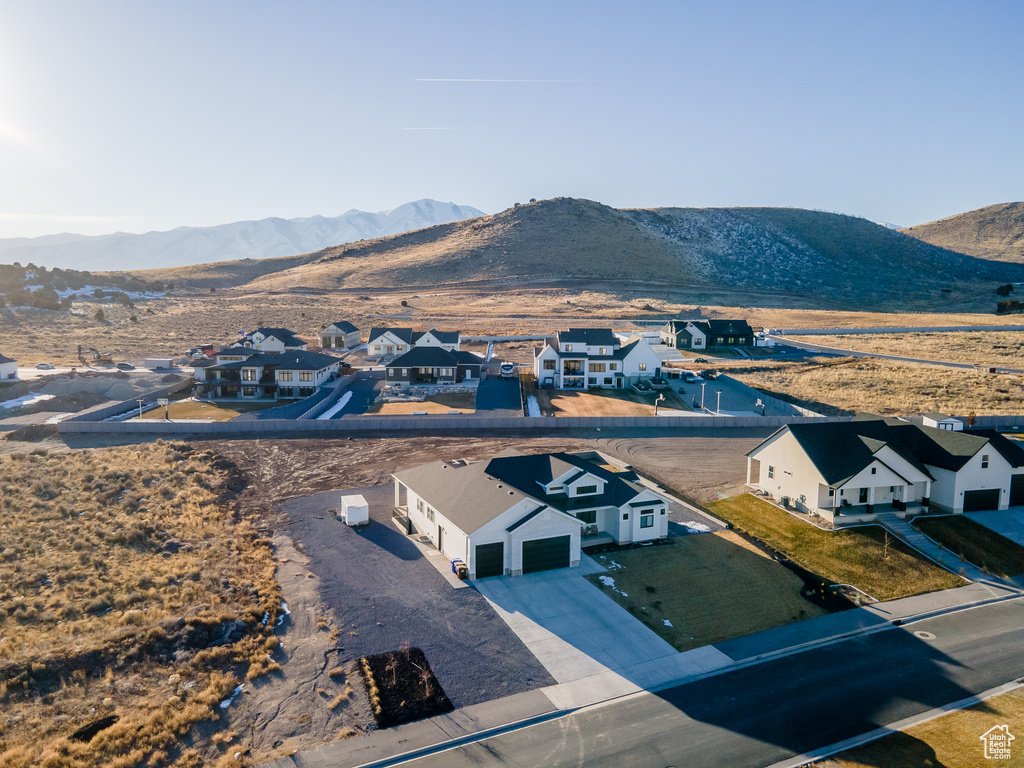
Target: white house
[
  {"x": 942, "y": 421},
  {"x": 8, "y": 368},
  {"x": 390, "y": 342},
  {"x": 685, "y": 334},
  {"x": 271, "y": 340},
  {"x": 848, "y": 472},
  {"x": 581, "y": 358},
  {"x": 241, "y": 374},
  {"x": 339, "y": 335},
  {"x": 517, "y": 514}
]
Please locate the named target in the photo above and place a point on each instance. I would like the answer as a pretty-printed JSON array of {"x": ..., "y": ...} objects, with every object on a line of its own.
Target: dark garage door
[
  {"x": 490, "y": 560},
  {"x": 978, "y": 501},
  {"x": 545, "y": 554},
  {"x": 1017, "y": 490}
]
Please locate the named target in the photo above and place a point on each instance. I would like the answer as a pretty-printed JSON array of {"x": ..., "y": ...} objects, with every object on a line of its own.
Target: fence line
[{"x": 774, "y": 402}]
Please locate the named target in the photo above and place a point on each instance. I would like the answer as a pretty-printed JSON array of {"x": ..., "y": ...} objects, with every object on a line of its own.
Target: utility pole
[
  {"x": 718, "y": 406},
  {"x": 660, "y": 399}
]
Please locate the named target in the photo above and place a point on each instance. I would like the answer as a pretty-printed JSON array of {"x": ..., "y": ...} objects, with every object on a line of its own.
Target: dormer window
[
  {"x": 586, "y": 490},
  {"x": 984, "y": 461},
  {"x": 568, "y": 347},
  {"x": 604, "y": 350},
  {"x": 557, "y": 489}
]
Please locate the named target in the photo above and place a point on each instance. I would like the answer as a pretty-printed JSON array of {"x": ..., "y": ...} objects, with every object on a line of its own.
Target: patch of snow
[
  {"x": 613, "y": 564},
  {"x": 29, "y": 399},
  {"x": 694, "y": 527},
  {"x": 532, "y": 406},
  {"x": 227, "y": 702},
  {"x": 336, "y": 407},
  {"x": 490, "y": 351},
  {"x": 266, "y": 618},
  {"x": 608, "y": 581},
  {"x": 57, "y": 418},
  {"x": 667, "y": 622},
  {"x": 624, "y": 594}
]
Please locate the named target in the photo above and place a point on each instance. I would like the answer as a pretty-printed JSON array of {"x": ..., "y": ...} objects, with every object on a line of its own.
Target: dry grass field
[
  {"x": 463, "y": 402},
  {"x": 994, "y": 348},
  {"x": 708, "y": 587},
  {"x": 835, "y": 386},
  {"x": 193, "y": 409},
  {"x": 131, "y": 588},
  {"x": 604, "y": 402},
  {"x": 951, "y": 740},
  {"x": 975, "y": 543},
  {"x": 855, "y": 556}
]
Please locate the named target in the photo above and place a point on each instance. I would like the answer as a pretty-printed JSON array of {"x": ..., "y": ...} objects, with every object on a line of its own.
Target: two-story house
[
  {"x": 698, "y": 335},
  {"x": 516, "y": 514},
  {"x": 271, "y": 340},
  {"x": 244, "y": 374},
  {"x": 584, "y": 358},
  {"x": 386, "y": 343}
]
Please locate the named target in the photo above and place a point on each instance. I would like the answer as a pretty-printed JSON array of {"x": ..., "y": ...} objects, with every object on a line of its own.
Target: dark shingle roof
[
  {"x": 592, "y": 337},
  {"x": 405, "y": 334},
  {"x": 292, "y": 360},
  {"x": 730, "y": 328},
  {"x": 342, "y": 325},
  {"x": 445, "y": 337},
  {"x": 286, "y": 336},
  {"x": 526, "y": 473},
  {"x": 5, "y": 359},
  {"x": 468, "y": 358},
  {"x": 425, "y": 357}
]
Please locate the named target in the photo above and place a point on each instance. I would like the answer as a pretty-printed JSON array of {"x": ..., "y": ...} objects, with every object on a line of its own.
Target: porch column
[
  {"x": 871, "y": 500},
  {"x": 398, "y": 493},
  {"x": 927, "y": 493},
  {"x": 749, "y": 463}
]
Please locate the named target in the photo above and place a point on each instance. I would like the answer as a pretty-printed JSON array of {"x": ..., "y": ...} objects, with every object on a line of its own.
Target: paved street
[{"x": 775, "y": 710}]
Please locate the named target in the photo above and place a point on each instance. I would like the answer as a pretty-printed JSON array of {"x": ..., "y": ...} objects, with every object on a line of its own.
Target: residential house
[
  {"x": 584, "y": 358},
  {"x": 385, "y": 343},
  {"x": 706, "y": 334},
  {"x": 271, "y": 340},
  {"x": 849, "y": 471},
  {"x": 942, "y": 421},
  {"x": 516, "y": 514},
  {"x": 264, "y": 375},
  {"x": 8, "y": 368},
  {"x": 339, "y": 335},
  {"x": 430, "y": 365}
]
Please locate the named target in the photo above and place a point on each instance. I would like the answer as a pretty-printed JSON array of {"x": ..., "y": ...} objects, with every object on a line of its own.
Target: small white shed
[
  {"x": 942, "y": 421},
  {"x": 355, "y": 510},
  {"x": 8, "y": 367}
]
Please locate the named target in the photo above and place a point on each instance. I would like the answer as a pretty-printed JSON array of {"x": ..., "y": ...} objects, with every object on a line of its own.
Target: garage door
[
  {"x": 1017, "y": 491},
  {"x": 490, "y": 560},
  {"x": 978, "y": 501},
  {"x": 546, "y": 554}
]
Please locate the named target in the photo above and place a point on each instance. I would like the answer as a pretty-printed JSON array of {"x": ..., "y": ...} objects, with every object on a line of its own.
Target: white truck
[{"x": 508, "y": 370}]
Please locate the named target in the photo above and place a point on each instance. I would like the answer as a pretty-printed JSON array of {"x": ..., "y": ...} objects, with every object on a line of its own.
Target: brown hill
[
  {"x": 837, "y": 258},
  {"x": 995, "y": 232}
]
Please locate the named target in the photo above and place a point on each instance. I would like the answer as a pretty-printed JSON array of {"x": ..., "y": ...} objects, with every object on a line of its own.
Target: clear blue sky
[{"x": 141, "y": 115}]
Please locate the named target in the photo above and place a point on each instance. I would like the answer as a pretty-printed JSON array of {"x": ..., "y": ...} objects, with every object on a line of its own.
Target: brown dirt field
[
  {"x": 995, "y": 348},
  {"x": 605, "y": 402}
]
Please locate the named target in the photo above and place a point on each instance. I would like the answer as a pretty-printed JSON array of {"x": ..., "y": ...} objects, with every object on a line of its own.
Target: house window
[
  {"x": 549, "y": 365},
  {"x": 625, "y": 515},
  {"x": 612, "y": 366},
  {"x": 607, "y": 379},
  {"x": 419, "y": 504},
  {"x": 892, "y": 489},
  {"x": 556, "y": 489},
  {"x": 732, "y": 339},
  {"x": 590, "y": 516},
  {"x": 663, "y": 513},
  {"x": 405, "y": 372},
  {"x": 305, "y": 375},
  {"x": 984, "y": 461},
  {"x": 249, "y": 391},
  {"x": 831, "y": 492},
  {"x": 586, "y": 490},
  {"x": 430, "y": 514},
  {"x": 248, "y": 374},
  {"x": 771, "y": 472},
  {"x": 568, "y": 348},
  {"x": 646, "y": 521},
  {"x": 642, "y": 367},
  {"x": 874, "y": 470},
  {"x": 597, "y": 367},
  {"x": 604, "y": 350},
  {"x": 592, "y": 380},
  {"x": 284, "y": 376}
]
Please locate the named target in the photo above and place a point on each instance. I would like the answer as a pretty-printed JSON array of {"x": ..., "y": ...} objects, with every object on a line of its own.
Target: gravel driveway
[{"x": 383, "y": 592}]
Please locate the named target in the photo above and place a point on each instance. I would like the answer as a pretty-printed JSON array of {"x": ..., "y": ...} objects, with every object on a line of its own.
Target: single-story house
[
  {"x": 584, "y": 358},
  {"x": 434, "y": 365},
  {"x": 339, "y": 335},
  {"x": 271, "y": 340},
  {"x": 385, "y": 343},
  {"x": 8, "y": 368},
  {"x": 850, "y": 471},
  {"x": 707, "y": 334},
  {"x": 516, "y": 514},
  {"x": 265, "y": 375}
]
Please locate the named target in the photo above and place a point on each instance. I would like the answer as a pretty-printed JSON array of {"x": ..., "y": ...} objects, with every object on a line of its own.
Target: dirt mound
[{"x": 72, "y": 403}]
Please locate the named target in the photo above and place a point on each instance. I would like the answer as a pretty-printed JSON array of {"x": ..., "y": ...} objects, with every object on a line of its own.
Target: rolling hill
[
  {"x": 266, "y": 238},
  {"x": 841, "y": 259},
  {"x": 995, "y": 232}
]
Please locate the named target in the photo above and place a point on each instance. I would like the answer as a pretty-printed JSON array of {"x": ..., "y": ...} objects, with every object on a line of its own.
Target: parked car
[
  {"x": 44, "y": 366},
  {"x": 700, "y": 360},
  {"x": 508, "y": 370},
  {"x": 125, "y": 367}
]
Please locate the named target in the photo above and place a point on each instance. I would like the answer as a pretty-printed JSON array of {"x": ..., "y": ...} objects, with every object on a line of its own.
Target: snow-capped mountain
[{"x": 244, "y": 239}]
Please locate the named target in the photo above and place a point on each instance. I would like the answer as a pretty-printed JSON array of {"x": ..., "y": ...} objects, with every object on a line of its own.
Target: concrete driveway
[
  {"x": 587, "y": 642},
  {"x": 1008, "y": 523}
]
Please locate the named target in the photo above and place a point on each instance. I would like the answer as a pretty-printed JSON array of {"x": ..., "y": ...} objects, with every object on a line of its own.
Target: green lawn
[
  {"x": 855, "y": 556},
  {"x": 975, "y": 543},
  {"x": 709, "y": 587}
]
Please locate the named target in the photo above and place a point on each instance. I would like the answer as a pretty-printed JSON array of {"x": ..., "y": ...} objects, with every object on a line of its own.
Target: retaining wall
[
  {"x": 128, "y": 405},
  {"x": 331, "y": 399},
  {"x": 773, "y": 402}
]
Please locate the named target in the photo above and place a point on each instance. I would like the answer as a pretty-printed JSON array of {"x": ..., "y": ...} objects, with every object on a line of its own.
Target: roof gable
[
  {"x": 342, "y": 325},
  {"x": 425, "y": 357},
  {"x": 402, "y": 334},
  {"x": 591, "y": 337}
]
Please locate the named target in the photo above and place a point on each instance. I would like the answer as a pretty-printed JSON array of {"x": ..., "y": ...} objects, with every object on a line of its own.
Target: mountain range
[
  {"x": 994, "y": 232},
  {"x": 261, "y": 239}
]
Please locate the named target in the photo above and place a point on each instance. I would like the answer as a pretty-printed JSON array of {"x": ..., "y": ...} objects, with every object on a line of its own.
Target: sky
[{"x": 139, "y": 116}]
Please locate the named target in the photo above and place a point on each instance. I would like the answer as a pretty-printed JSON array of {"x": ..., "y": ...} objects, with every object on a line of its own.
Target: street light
[
  {"x": 660, "y": 399},
  {"x": 718, "y": 407},
  {"x": 702, "y": 385}
]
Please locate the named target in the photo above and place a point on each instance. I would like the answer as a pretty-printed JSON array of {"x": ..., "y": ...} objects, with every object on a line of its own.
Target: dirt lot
[
  {"x": 605, "y": 402},
  {"x": 704, "y": 588},
  {"x": 463, "y": 402}
]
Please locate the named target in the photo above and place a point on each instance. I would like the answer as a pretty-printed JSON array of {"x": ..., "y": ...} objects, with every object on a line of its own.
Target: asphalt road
[
  {"x": 364, "y": 392},
  {"x": 776, "y": 710}
]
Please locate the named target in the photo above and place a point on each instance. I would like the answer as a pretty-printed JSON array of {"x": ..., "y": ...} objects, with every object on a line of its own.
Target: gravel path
[{"x": 383, "y": 592}]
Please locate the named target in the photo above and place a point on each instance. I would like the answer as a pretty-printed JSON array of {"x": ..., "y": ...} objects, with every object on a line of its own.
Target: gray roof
[
  {"x": 592, "y": 337},
  {"x": 434, "y": 357},
  {"x": 5, "y": 359},
  {"x": 288, "y": 337},
  {"x": 292, "y": 360},
  {"x": 445, "y": 337},
  {"x": 405, "y": 334},
  {"x": 342, "y": 325}
]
